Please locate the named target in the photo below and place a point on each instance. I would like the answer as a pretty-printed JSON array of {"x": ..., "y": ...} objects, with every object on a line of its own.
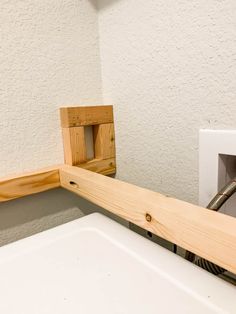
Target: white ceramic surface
[{"x": 94, "y": 265}]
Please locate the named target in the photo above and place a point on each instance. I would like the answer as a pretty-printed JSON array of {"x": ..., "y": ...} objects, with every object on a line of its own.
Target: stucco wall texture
[
  {"x": 49, "y": 57},
  {"x": 169, "y": 67}
]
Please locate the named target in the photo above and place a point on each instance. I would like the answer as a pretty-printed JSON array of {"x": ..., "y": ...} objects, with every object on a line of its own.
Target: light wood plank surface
[
  {"x": 29, "y": 183},
  {"x": 102, "y": 166},
  {"x": 206, "y": 233},
  {"x": 74, "y": 145},
  {"x": 104, "y": 141},
  {"x": 81, "y": 116}
]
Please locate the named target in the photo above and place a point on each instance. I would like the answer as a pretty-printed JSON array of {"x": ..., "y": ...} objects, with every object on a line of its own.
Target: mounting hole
[
  {"x": 149, "y": 234},
  {"x": 72, "y": 183}
]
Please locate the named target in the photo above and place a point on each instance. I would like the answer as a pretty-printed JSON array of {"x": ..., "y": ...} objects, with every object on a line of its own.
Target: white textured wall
[
  {"x": 169, "y": 67},
  {"x": 49, "y": 57}
]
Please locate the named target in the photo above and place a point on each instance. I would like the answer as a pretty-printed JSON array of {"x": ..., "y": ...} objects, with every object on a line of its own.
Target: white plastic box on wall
[{"x": 217, "y": 165}]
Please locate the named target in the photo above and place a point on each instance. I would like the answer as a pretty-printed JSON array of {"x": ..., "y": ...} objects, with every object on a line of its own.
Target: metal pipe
[
  {"x": 221, "y": 197},
  {"x": 215, "y": 204}
]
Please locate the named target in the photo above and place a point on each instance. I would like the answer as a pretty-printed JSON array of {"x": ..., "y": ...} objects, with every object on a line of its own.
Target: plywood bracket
[{"x": 74, "y": 120}]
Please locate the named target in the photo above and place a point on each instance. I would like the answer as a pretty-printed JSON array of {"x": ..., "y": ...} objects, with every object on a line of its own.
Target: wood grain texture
[
  {"x": 29, "y": 183},
  {"x": 104, "y": 141},
  {"x": 105, "y": 167},
  {"x": 206, "y": 233},
  {"x": 74, "y": 145},
  {"x": 81, "y": 116}
]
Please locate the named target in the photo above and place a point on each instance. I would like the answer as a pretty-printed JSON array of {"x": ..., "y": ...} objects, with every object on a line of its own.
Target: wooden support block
[
  {"x": 105, "y": 167},
  {"x": 29, "y": 183},
  {"x": 74, "y": 145},
  {"x": 73, "y": 121},
  {"x": 208, "y": 234},
  {"x": 81, "y": 116},
  {"x": 104, "y": 141}
]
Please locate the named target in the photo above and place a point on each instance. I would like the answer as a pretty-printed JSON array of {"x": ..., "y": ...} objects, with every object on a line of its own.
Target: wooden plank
[
  {"x": 104, "y": 141},
  {"x": 74, "y": 145},
  {"x": 76, "y": 119},
  {"x": 29, "y": 183},
  {"x": 206, "y": 233},
  {"x": 81, "y": 116},
  {"x": 105, "y": 167}
]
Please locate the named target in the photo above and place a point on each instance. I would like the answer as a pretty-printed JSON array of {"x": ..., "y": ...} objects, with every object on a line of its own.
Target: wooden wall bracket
[
  {"x": 74, "y": 120},
  {"x": 209, "y": 234},
  {"x": 206, "y": 233}
]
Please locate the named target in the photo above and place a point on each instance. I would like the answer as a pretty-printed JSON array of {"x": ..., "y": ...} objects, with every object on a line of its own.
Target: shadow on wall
[
  {"x": 102, "y": 4},
  {"x": 32, "y": 214}
]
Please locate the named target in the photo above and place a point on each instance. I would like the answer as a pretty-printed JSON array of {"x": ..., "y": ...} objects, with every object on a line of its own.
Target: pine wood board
[
  {"x": 29, "y": 183},
  {"x": 208, "y": 234},
  {"x": 82, "y": 116},
  {"x": 102, "y": 166},
  {"x": 74, "y": 145},
  {"x": 104, "y": 141}
]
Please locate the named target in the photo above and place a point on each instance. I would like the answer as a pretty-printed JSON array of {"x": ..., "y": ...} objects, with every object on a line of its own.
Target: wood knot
[{"x": 148, "y": 217}]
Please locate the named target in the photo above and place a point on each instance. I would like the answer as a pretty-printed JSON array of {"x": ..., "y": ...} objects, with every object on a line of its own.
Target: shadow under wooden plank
[{"x": 29, "y": 215}]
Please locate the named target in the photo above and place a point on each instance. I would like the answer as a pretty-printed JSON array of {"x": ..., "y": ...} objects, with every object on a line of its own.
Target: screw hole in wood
[{"x": 72, "y": 183}]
